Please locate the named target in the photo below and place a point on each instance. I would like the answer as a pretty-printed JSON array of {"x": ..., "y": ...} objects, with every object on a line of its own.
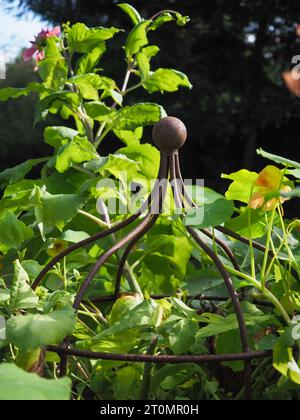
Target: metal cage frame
[{"x": 169, "y": 134}]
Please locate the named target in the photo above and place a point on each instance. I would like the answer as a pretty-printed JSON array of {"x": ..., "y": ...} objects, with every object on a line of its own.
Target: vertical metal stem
[{"x": 158, "y": 198}]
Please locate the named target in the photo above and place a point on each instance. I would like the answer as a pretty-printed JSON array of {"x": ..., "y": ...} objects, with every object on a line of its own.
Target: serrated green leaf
[
  {"x": 166, "y": 80},
  {"x": 57, "y": 136},
  {"x": 130, "y": 137},
  {"x": 53, "y": 69},
  {"x": 146, "y": 156},
  {"x": 143, "y": 60},
  {"x": 76, "y": 151},
  {"x": 138, "y": 115},
  {"x": 137, "y": 38},
  {"x": 54, "y": 102},
  {"x": 17, "y": 173},
  {"x": 98, "y": 110},
  {"x": 82, "y": 39},
  {"x": 88, "y": 62}
]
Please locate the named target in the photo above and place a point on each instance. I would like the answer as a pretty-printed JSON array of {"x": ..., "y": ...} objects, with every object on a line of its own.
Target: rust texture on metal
[{"x": 169, "y": 135}]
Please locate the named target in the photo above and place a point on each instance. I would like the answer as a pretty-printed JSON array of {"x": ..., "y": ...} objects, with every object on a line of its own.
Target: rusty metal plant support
[{"x": 169, "y": 135}]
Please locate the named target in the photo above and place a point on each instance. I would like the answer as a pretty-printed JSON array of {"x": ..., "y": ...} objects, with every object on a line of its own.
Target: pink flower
[{"x": 39, "y": 44}]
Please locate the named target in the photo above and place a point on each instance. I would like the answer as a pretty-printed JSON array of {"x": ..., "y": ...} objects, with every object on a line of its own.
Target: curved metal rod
[
  {"x": 129, "y": 237},
  {"x": 97, "y": 236},
  {"x": 227, "y": 279},
  {"x": 161, "y": 196},
  {"x": 206, "y": 358},
  {"x": 105, "y": 256},
  {"x": 176, "y": 175},
  {"x": 80, "y": 244},
  {"x": 235, "y": 302}
]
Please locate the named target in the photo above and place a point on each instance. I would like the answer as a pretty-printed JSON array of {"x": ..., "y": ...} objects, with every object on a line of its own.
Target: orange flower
[
  {"x": 292, "y": 82},
  {"x": 270, "y": 189}
]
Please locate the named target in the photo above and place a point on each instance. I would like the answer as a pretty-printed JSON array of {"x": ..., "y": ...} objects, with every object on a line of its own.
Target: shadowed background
[{"x": 233, "y": 52}]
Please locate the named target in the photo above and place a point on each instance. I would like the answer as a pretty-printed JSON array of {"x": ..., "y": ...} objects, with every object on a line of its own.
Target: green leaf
[
  {"x": 278, "y": 159},
  {"x": 130, "y": 137},
  {"x": 146, "y": 314},
  {"x": 115, "y": 165},
  {"x": 58, "y": 210},
  {"x": 54, "y": 102},
  {"x": 166, "y": 80},
  {"x": 88, "y": 62},
  {"x": 74, "y": 236},
  {"x": 143, "y": 60},
  {"x": 76, "y": 151},
  {"x": 240, "y": 224},
  {"x": 15, "y": 384},
  {"x": 137, "y": 38},
  {"x": 117, "y": 96},
  {"x": 161, "y": 20},
  {"x": 146, "y": 156},
  {"x": 30, "y": 331},
  {"x": 88, "y": 85},
  {"x": 230, "y": 342},
  {"x": 210, "y": 215},
  {"x": 219, "y": 325},
  {"x": 82, "y": 39},
  {"x": 12, "y": 93},
  {"x": 127, "y": 383},
  {"x": 21, "y": 200},
  {"x": 124, "y": 304},
  {"x": 294, "y": 172},
  {"x": 241, "y": 187},
  {"x": 282, "y": 352},
  {"x": 98, "y": 110},
  {"x": 21, "y": 294},
  {"x": 53, "y": 69},
  {"x": 131, "y": 12},
  {"x": 138, "y": 115},
  {"x": 13, "y": 232},
  {"x": 182, "y": 335},
  {"x": 17, "y": 173},
  {"x": 57, "y": 136}
]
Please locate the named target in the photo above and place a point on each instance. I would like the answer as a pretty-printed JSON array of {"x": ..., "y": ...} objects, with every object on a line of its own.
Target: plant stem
[
  {"x": 268, "y": 295},
  {"x": 266, "y": 255},
  {"x": 173, "y": 12},
  {"x": 95, "y": 219},
  {"x": 147, "y": 370}
]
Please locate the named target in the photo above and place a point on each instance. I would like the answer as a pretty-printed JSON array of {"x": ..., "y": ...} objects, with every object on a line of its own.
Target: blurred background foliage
[{"x": 233, "y": 52}]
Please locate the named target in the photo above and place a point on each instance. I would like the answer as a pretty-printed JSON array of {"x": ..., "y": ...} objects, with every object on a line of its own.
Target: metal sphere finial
[{"x": 169, "y": 134}]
